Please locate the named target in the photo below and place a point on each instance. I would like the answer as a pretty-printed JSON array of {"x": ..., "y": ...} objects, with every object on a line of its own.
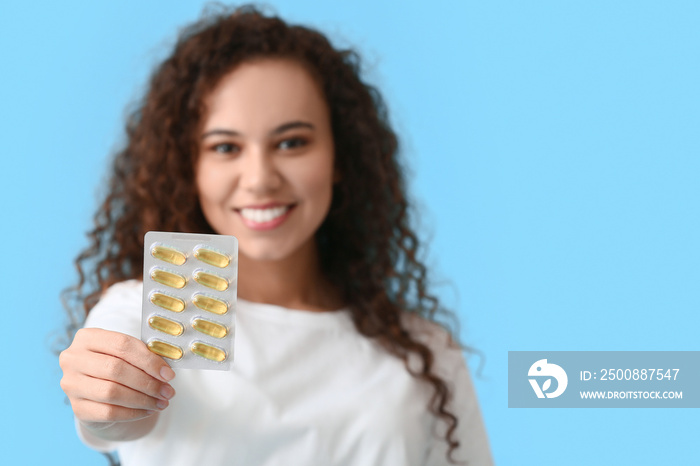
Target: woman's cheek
[{"x": 213, "y": 182}]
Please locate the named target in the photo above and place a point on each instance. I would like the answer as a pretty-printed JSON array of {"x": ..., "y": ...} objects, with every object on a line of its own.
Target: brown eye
[
  {"x": 292, "y": 143},
  {"x": 226, "y": 148}
]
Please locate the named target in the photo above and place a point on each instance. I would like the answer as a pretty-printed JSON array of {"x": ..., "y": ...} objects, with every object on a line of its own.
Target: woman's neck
[{"x": 295, "y": 282}]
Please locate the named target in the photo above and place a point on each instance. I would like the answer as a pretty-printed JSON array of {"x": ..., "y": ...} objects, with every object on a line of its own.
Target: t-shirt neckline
[{"x": 281, "y": 314}]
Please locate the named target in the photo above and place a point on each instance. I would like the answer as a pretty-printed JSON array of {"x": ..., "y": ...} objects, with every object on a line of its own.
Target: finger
[
  {"x": 106, "y": 367},
  {"x": 91, "y": 411},
  {"x": 105, "y": 391},
  {"x": 131, "y": 350}
]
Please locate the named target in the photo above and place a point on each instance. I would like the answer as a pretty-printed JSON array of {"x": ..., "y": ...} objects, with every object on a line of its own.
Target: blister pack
[{"x": 189, "y": 298}]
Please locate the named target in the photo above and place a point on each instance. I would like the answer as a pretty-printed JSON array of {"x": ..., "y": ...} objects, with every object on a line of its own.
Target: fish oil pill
[
  {"x": 167, "y": 254},
  {"x": 212, "y": 257},
  {"x": 210, "y": 280},
  {"x": 170, "y": 279},
  {"x": 166, "y": 325},
  {"x": 164, "y": 349},
  {"x": 209, "y": 328},
  {"x": 167, "y": 302},
  {"x": 209, "y": 304},
  {"x": 190, "y": 284},
  {"x": 208, "y": 351}
]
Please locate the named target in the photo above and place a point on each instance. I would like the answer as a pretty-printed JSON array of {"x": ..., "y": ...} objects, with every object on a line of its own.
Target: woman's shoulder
[
  {"x": 428, "y": 331},
  {"x": 119, "y": 308},
  {"x": 439, "y": 339},
  {"x": 127, "y": 289}
]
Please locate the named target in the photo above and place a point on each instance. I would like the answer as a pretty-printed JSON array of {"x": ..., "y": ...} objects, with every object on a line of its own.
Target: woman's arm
[{"x": 474, "y": 447}]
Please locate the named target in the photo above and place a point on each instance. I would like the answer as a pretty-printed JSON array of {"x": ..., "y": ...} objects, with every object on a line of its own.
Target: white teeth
[{"x": 264, "y": 215}]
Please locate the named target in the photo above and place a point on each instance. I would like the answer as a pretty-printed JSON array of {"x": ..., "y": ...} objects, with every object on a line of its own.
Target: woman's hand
[{"x": 111, "y": 377}]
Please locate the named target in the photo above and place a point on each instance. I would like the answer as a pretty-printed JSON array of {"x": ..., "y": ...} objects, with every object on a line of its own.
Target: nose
[{"x": 259, "y": 173}]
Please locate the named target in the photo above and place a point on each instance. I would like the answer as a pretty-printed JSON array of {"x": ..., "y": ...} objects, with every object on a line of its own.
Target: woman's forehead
[{"x": 265, "y": 92}]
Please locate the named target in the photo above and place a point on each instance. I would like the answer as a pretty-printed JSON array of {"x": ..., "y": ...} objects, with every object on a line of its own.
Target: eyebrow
[{"x": 280, "y": 129}]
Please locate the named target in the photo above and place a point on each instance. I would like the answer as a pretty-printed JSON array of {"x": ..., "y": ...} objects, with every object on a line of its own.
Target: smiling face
[{"x": 265, "y": 167}]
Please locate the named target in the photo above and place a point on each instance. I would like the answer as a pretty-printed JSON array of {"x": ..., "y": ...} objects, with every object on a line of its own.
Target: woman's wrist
[{"x": 122, "y": 431}]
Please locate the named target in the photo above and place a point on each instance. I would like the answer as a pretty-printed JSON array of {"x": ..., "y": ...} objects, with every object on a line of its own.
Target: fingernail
[
  {"x": 167, "y": 373},
  {"x": 167, "y": 391},
  {"x": 162, "y": 404}
]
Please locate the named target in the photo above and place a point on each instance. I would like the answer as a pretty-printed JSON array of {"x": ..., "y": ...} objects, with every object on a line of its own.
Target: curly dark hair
[{"x": 374, "y": 264}]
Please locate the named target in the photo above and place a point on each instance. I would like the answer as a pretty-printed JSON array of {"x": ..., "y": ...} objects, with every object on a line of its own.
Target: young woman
[{"x": 262, "y": 130}]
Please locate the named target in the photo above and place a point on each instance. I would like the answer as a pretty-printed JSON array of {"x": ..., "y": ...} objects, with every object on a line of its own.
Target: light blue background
[{"x": 555, "y": 149}]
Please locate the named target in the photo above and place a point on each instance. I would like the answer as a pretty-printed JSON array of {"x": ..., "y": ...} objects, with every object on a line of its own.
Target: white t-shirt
[{"x": 305, "y": 389}]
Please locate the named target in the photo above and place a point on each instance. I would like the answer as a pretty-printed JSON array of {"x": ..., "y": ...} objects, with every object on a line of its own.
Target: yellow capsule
[
  {"x": 167, "y": 254},
  {"x": 165, "y": 349},
  {"x": 207, "y": 351},
  {"x": 209, "y": 304},
  {"x": 173, "y": 280},
  {"x": 166, "y": 325},
  {"x": 167, "y": 302},
  {"x": 210, "y": 328},
  {"x": 212, "y": 257},
  {"x": 210, "y": 280}
]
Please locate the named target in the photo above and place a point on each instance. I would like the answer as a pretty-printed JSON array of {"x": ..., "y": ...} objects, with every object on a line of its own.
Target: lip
[
  {"x": 272, "y": 224},
  {"x": 267, "y": 205}
]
